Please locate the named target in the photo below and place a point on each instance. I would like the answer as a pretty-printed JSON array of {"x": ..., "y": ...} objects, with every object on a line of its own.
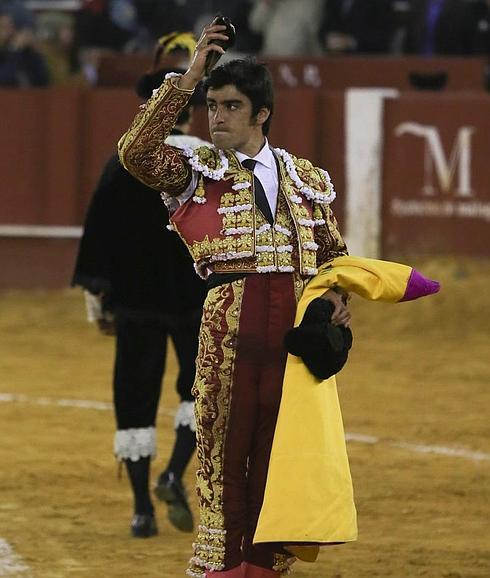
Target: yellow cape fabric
[{"x": 308, "y": 495}]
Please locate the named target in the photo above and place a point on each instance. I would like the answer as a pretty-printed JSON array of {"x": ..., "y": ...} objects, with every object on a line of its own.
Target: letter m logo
[{"x": 435, "y": 160}]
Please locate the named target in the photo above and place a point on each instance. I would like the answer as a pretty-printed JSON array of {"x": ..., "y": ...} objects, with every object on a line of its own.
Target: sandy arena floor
[{"x": 415, "y": 397}]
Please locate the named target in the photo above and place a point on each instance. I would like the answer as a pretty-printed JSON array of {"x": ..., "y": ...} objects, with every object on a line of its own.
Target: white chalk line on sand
[
  {"x": 11, "y": 564},
  {"x": 419, "y": 448},
  {"x": 350, "y": 437}
]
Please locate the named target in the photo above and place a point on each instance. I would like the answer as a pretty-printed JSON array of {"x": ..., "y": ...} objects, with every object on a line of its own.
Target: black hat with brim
[{"x": 323, "y": 346}]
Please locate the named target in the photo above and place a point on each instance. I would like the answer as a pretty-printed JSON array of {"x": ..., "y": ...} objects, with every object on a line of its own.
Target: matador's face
[{"x": 231, "y": 123}]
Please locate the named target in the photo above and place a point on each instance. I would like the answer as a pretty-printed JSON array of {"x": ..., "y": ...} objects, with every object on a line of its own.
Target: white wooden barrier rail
[{"x": 41, "y": 231}]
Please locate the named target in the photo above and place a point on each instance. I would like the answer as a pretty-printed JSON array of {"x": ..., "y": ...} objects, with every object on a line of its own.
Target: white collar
[{"x": 265, "y": 156}]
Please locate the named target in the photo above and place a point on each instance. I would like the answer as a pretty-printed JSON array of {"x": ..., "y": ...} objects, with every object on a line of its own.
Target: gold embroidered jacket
[{"x": 221, "y": 224}]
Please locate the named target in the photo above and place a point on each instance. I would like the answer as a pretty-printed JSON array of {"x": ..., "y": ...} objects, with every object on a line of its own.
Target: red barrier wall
[
  {"x": 326, "y": 72},
  {"x": 55, "y": 142},
  {"x": 31, "y": 130},
  {"x": 27, "y": 263},
  {"x": 106, "y": 114}
]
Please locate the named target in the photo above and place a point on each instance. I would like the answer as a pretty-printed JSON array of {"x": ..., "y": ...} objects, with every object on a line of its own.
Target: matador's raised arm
[{"x": 142, "y": 149}]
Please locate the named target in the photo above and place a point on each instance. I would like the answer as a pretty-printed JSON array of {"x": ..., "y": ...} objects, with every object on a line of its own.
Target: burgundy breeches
[{"x": 238, "y": 386}]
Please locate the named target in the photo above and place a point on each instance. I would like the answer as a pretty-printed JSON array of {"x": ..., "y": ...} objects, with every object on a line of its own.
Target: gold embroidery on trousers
[{"x": 212, "y": 391}]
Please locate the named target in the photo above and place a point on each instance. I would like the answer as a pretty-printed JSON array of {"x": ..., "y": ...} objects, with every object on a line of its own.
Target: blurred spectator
[
  {"x": 288, "y": 27},
  {"x": 401, "y": 12},
  {"x": 106, "y": 24},
  {"x": 103, "y": 26},
  {"x": 442, "y": 27},
  {"x": 21, "y": 64},
  {"x": 22, "y": 16},
  {"x": 356, "y": 26},
  {"x": 56, "y": 35},
  {"x": 247, "y": 41},
  {"x": 161, "y": 17},
  {"x": 482, "y": 36}
]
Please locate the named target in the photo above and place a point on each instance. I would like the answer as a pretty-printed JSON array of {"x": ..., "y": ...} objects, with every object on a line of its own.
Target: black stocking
[
  {"x": 139, "y": 476},
  {"x": 184, "y": 446}
]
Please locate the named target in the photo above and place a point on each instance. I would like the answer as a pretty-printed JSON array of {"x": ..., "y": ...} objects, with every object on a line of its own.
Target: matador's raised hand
[{"x": 206, "y": 44}]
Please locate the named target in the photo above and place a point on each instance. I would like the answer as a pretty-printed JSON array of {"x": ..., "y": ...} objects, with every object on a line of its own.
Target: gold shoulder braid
[
  {"x": 314, "y": 177},
  {"x": 208, "y": 157},
  {"x": 142, "y": 149},
  {"x": 306, "y": 170}
]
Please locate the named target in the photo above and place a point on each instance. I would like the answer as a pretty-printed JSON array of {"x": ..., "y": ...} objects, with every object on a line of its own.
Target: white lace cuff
[
  {"x": 93, "y": 304},
  {"x": 185, "y": 415},
  {"x": 135, "y": 443}
]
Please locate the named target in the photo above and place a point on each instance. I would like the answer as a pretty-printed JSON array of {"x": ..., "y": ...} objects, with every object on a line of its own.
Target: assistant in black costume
[{"x": 141, "y": 286}]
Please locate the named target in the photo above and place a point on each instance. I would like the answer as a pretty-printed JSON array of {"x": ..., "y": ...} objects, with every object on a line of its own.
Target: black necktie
[{"x": 260, "y": 198}]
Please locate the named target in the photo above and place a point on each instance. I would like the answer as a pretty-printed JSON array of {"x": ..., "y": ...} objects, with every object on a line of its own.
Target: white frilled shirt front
[{"x": 265, "y": 170}]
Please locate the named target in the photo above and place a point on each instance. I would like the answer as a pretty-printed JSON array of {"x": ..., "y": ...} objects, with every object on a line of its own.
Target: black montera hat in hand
[
  {"x": 213, "y": 56},
  {"x": 322, "y": 346}
]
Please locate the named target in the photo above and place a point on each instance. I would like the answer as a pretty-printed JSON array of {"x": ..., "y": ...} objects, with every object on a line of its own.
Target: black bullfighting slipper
[
  {"x": 169, "y": 489},
  {"x": 143, "y": 526}
]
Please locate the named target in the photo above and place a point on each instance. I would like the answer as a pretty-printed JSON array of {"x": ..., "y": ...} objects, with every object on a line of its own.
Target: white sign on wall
[
  {"x": 454, "y": 173},
  {"x": 447, "y": 189}
]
